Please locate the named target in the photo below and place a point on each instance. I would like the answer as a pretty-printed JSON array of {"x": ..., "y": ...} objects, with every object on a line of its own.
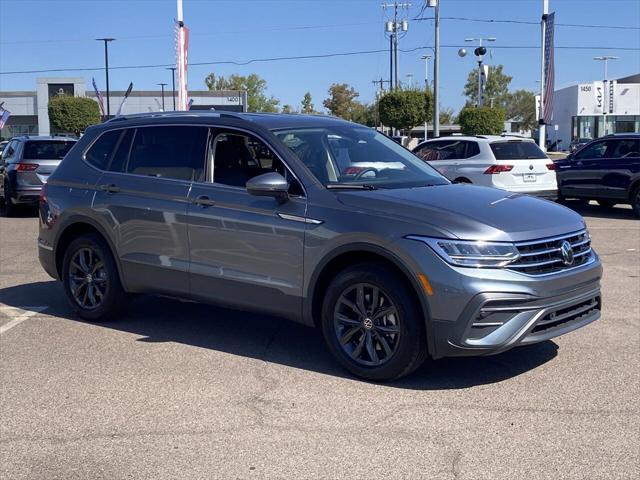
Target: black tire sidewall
[
  {"x": 412, "y": 347},
  {"x": 114, "y": 295},
  {"x": 634, "y": 205}
]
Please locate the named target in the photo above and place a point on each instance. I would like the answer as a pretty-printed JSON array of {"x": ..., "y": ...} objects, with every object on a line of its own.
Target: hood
[{"x": 468, "y": 212}]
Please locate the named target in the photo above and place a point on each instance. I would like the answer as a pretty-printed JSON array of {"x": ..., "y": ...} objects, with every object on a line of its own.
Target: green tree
[
  {"x": 404, "y": 109},
  {"x": 364, "y": 114},
  {"x": 253, "y": 84},
  {"x": 521, "y": 105},
  {"x": 73, "y": 114},
  {"x": 307, "y": 104},
  {"x": 342, "y": 101},
  {"x": 482, "y": 120},
  {"x": 496, "y": 87},
  {"x": 288, "y": 109},
  {"x": 447, "y": 116}
]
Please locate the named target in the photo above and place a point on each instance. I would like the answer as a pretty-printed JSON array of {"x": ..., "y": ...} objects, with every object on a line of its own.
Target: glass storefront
[{"x": 594, "y": 126}]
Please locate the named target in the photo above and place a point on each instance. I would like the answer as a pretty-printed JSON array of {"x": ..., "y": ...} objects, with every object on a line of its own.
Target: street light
[
  {"x": 162, "y": 85},
  {"x": 426, "y": 59},
  {"x": 173, "y": 85},
  {"x": 605, "y": 59},
  {"x": 479, "y": 52},
  {"x": 436, "y": 67},
  {"x": 106, "y": 66}
]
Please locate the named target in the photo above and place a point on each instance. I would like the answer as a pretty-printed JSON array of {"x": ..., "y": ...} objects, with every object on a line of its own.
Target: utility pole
[
  {"x": 395, "y": 29},
  {"x": 426, "y": 59},
  {"x": 162, "y": 85},
  {"x": 173, "y": 85},
  {"x": 106, "y": 67},
  {"x": 542, "y": 128}
]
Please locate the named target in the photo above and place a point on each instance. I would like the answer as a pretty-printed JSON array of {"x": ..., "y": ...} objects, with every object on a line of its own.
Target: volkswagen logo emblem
[
  {"x": 567, "y": 253},
  {"x": 530, "y": 167}
]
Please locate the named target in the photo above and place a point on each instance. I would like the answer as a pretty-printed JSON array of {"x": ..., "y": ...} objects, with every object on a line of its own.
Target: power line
[
  {"x": 528, "y": 22},
  {"x": 309, "y": 57}
]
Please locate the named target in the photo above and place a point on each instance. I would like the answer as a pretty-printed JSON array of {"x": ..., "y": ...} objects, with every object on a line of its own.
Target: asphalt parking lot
[{"x": 181, "y": 390}]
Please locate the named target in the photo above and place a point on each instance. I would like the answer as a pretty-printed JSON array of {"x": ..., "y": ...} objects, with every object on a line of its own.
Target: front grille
[
  {"x": 568, "y": 314},
  {"x": 540, "y": 257}
]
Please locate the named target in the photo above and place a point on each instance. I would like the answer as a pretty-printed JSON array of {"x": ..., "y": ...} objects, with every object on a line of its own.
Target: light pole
[
  {"x": 436, "y": 67},
  {"x": 426, "y": 59},
  {"x": 173, "y": 85},
  {"x": 607, "y": 91},
  {"x": 479, "y": 52},
  {"x": 605, "y": 59},
  {"x": 106, "y": 67},
  {"x": 394, "y": 28},
  {"x": 162, "y": 85}
]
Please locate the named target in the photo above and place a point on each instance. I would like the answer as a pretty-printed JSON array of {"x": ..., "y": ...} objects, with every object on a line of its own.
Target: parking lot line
[{"x": 23, "y": 313}]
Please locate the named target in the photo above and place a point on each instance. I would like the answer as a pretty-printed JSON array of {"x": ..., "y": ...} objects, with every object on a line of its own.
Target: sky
[{"x": 59, "y": 34}]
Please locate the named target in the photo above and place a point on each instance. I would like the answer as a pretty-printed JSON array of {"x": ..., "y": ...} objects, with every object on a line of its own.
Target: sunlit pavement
[{"x": 181, "y": 390}]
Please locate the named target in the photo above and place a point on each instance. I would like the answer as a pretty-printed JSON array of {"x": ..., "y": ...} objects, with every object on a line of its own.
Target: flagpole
[
  {"x": 542, "y": 128},
  {"x": 182, "y": 101}
]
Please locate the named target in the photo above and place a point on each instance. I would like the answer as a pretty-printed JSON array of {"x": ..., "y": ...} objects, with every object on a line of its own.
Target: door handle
[
  {"x": 203, "y": 201},
  {"x": 110, "y": 188}
]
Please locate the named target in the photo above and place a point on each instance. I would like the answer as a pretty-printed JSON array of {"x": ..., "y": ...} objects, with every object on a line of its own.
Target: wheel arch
[
  {"x": 348, "y": 255},
  {"x": 74, "y": 227},
  {"x": 462, "y": 180}
]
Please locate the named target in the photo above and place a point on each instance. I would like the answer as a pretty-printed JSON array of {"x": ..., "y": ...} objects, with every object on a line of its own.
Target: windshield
[
  {"x": 345, "y": 156},
  {"x": 47, "y": 150},
  {"x": 516, "y": 150}
]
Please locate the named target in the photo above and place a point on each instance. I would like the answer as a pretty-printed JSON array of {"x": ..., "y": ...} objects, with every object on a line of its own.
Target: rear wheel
[
  {"x": 90, "y": 278},
  {"x": 635, "y": 201},
  {"x": 7, "y": 209},
  {"x": 372, "y": 325}
]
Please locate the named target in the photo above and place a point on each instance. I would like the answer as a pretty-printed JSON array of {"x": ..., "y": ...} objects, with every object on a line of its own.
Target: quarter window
[
  {"x": 100, "y": 152},
  {"x": 176, "y": 152}
]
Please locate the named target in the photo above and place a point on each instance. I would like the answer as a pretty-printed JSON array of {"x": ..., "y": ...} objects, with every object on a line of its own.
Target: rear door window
[
  {"x": 516, "y": 150},
  {"x": 47, "y": 149},
  {"x": 596, "y": 150},
  {"x": 625, "y": 148},
  {"x": 176, "y": 152}
]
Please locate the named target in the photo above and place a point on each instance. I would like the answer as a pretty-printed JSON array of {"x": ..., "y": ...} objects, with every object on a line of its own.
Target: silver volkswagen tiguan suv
[{"x": 266, "y": 213}]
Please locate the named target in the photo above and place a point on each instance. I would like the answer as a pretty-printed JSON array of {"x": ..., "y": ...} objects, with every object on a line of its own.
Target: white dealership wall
[{"x": 596, "y": 103}]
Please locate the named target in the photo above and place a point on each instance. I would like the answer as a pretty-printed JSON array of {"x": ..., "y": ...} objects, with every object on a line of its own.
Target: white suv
[{"x": 510, "y": 163}]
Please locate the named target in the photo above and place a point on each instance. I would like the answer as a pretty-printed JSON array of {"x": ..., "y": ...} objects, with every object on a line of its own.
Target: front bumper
[{"x": 482, "y": 311}]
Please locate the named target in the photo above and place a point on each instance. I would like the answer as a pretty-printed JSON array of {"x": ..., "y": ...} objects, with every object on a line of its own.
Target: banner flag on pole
[
  {"x": 98, "y": 96},
  {"x": 126, "y": 95},
  {"x": 182, "y": 52},
  {"x": 549, "y": 69},
  {"x": 4, "y": 116}
]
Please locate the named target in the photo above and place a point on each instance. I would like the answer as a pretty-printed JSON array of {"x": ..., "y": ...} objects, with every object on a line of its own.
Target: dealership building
[
  {"x": 29, "y": 109},
  {"x": 591, "y": 110}
]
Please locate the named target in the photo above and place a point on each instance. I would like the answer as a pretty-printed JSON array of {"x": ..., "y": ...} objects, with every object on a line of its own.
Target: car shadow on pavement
[
  {"x": 622, "y": 212},
  {"x": 271, "y": 339}
]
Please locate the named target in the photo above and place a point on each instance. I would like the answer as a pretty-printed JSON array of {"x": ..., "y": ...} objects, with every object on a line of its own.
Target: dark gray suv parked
[
  {"x": 318, "y": 220},
  {"x": 25, "y": 165}
]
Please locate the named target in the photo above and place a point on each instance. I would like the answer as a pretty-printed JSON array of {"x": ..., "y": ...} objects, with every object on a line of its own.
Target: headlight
[{"x": 472, "y": 254}]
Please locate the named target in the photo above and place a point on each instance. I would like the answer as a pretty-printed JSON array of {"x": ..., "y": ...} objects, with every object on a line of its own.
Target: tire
[
  {"x": 7, "y": 209},
  {"x": 635, "y": 201},
  {"x": 379, "y": 349},
  {"x": 462, "y": 180},
  {"x": 90, "y": 279},
  {"x": 606, "y": 203}
]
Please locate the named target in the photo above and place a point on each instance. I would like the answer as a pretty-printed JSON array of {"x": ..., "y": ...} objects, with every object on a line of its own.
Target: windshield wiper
[{"x": 350, "y": 186}]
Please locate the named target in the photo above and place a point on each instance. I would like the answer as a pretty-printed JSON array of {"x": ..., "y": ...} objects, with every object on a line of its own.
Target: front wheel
[
  {"x": 372, "y": 325},
  {"x": 90, "y": 278},
  {"x": 7, "y": 209}
]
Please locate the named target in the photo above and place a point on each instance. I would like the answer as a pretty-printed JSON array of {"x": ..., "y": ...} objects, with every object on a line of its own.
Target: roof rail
[{"x": 171, "y": 114}]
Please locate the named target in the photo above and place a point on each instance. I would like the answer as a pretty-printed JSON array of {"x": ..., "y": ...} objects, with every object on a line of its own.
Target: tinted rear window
[
  {"x": 47, "y": 149},
  {"x": 516, "y": 150}
]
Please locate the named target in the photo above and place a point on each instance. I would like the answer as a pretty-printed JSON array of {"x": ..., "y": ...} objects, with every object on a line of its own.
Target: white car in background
[{"x": 510, "y": 163}]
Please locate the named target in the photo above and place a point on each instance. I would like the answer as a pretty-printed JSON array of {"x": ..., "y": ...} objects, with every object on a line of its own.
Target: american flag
[
  {"x": 4, "y": 116},
  {"x": 549, "y": 69},
  {"x": 98, "y": 96}
]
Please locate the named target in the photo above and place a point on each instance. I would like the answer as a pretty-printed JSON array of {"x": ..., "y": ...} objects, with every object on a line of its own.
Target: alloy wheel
[
  {"x": 367, "y": 324},
  {"x": 87, "y": 278}
]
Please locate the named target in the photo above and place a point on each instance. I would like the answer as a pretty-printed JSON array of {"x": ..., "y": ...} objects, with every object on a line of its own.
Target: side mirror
[
  {"x": 270, "y": 184},
  {"x": 569, "y": 157}
]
